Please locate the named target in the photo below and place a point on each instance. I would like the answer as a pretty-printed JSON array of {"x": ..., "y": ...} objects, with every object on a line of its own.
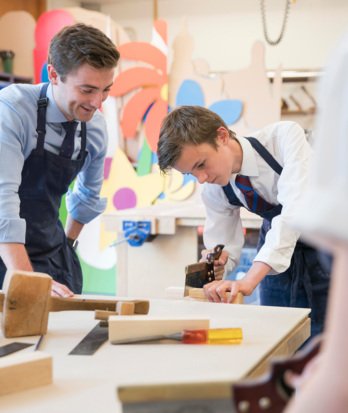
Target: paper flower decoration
[{"x": 151, "y": 89}]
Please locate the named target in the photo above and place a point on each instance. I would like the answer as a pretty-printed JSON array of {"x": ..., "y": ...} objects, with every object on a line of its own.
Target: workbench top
[{"x": 89, "y": 383}]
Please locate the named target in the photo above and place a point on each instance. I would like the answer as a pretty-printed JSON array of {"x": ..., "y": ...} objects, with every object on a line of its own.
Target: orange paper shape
[
  {"x": 144, "y": 52},
  {"x": 135, "y": 110},
  {"x": 152, "y": 125},
  {"x": 135, "y": 78}
]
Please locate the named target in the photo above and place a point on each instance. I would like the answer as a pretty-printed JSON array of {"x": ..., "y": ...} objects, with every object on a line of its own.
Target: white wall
[{"x": 224, "y": 30}]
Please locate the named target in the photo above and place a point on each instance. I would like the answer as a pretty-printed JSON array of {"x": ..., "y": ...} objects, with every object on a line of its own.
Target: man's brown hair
[{"x": 78, "y": 44}]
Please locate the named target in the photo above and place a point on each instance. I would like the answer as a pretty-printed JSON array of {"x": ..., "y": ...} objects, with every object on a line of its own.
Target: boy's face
[
  {"x": 209, "y": 164},
  {"x": 82, "y": 91}
]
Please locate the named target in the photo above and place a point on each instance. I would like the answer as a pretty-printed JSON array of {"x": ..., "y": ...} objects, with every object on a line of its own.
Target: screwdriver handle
[{"x": 213, "y": 336}]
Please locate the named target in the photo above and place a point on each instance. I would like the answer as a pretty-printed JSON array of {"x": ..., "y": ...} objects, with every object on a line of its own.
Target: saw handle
[
  {"x": 215, "y": 254},
  {"x": 211, "y": 257},
  {"x": 270, "y": 392}
]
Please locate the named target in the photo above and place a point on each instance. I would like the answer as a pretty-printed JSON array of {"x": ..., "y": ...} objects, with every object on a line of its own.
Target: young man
[
  {"x": 265, "y": 173},
  {"x": 51, "y": 134}
]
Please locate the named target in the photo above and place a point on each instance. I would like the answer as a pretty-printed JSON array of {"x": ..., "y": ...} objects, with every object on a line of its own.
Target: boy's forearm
[{"x": 254, "y": 276}]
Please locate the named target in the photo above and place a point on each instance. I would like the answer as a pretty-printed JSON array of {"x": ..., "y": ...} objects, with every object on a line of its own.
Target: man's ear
[
  {"x": 222, "y": 135},
  {"x": 52, "y": 74}
]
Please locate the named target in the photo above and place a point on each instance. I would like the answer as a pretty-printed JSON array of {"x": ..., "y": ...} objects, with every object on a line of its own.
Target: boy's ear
[{"x": 222, "y": 135}]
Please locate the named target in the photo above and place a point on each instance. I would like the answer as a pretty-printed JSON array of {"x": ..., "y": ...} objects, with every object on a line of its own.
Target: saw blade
[
  {"x": 12, "y": 348},
  {"x": 92, "y": 341}
]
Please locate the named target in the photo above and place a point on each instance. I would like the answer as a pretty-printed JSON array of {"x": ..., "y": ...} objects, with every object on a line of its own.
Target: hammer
[{"x": 26, "y": 301}]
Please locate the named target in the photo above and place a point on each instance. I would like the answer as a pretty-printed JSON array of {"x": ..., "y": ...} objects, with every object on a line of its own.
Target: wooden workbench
[
  {"x": 153, "y": 267},
  {"x": 93, "y": 384}
]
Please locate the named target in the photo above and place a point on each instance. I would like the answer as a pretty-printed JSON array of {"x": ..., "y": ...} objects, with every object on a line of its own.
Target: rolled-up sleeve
[{"x": 83, "y": 201}]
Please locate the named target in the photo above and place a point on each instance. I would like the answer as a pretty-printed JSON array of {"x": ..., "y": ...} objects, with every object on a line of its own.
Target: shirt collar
[
  {"x": 249, "y": 163},
  {"x": 53, "y": 113}
]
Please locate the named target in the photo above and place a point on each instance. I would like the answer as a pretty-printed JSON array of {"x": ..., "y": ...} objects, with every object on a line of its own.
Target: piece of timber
[
  {"x": 209, "y": 397},
  {"x": 122, "y": 308},
  {"x": 103, "y": 314},
  {"x": 198, "y": 294},
  {"x": 25, "y": 371},
  {"x": 125, "y": 327}
]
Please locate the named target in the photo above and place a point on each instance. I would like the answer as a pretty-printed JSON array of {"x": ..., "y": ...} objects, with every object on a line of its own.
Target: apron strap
[
  {"x": 272, "y": 162},
  {"x": 41, "y": 118},
  {"x": 265, "y": 155}
]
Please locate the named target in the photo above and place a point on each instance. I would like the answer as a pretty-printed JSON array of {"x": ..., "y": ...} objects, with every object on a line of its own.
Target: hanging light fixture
[{"x": 264, "y": 22}]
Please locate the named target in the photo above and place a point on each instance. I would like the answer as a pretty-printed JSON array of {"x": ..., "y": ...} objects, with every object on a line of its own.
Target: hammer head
[{"x": 26, "y": 303}]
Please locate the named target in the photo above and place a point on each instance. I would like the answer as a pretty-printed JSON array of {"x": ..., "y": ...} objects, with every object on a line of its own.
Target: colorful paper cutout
[
  {"x": 190, "y": 93},
  {"x": 154, "y": 89},
  {"x": 48, "y": 24}
]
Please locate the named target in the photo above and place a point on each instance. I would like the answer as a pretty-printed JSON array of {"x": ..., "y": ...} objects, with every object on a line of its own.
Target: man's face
[
  {"x": 82, "y": 91},
  {"x": 209, "y": 164}
]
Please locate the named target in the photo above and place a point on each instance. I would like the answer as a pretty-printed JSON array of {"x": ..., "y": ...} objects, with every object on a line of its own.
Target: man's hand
[
  {"x": 219, "y": 264},
  {"x": 60, "y": 290}
]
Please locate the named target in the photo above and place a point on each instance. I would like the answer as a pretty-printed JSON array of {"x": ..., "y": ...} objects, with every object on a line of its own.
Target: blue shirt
[{"x": 18, "y": 137}]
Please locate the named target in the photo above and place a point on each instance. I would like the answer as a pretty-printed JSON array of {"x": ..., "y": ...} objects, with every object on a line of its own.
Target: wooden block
[
  {"x": 175, "y": 292},
  {"x": 103, "y": 314},
  {"x": 141, "y": 306},
  {"x": 124, "y": 327},
  {"x": 25, "y": 371},
  {"x": 125, "y": 307},
  {"x": 198, "y": 294}
]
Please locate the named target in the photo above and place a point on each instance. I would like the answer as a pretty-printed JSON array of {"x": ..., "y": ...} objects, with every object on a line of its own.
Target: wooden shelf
[
  {"x": 289, "y": 76},
  {"x": 11, "y": 78},
  {"x": 297, "y": 112}
]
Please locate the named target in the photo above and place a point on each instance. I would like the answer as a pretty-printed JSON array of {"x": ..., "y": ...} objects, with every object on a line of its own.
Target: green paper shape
[
  {"x": 97, "y": 280},
  {"x": 145, "y": 160}
]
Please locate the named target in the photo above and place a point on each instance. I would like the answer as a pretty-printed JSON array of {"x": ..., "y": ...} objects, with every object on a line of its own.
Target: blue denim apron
[
  {"x": 306, "y": 282},
  {"x": 45, "y": 179}
]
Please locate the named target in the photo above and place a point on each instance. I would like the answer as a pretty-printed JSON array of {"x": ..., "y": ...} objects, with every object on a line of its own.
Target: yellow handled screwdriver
[{"x": 201, "y": 336}]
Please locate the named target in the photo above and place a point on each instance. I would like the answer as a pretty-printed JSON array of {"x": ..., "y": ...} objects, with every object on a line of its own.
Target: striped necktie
[
  {"x": 254, "y": 202},
  {"x": 67, "y": 148}
]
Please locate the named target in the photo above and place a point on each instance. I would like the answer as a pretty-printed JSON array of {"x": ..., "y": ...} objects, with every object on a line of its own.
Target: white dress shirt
[{"x": 287, "y": 143}]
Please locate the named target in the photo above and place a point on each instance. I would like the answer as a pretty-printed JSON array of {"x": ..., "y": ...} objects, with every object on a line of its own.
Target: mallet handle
[{"x": 89, "y": 304}]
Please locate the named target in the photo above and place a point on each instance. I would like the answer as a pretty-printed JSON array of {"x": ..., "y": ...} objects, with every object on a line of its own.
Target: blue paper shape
[
  {"x": 190, "y": 93},
  {"x": 44, "y": 74},
  {"x": 229, "y": 110}
]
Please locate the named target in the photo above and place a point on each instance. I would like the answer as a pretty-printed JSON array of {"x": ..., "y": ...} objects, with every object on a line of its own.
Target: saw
[{"x": 201, "y": 273}]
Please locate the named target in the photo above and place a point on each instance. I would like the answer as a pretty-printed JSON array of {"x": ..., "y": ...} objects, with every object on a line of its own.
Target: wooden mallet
[{"x": 26, "y": 301}]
